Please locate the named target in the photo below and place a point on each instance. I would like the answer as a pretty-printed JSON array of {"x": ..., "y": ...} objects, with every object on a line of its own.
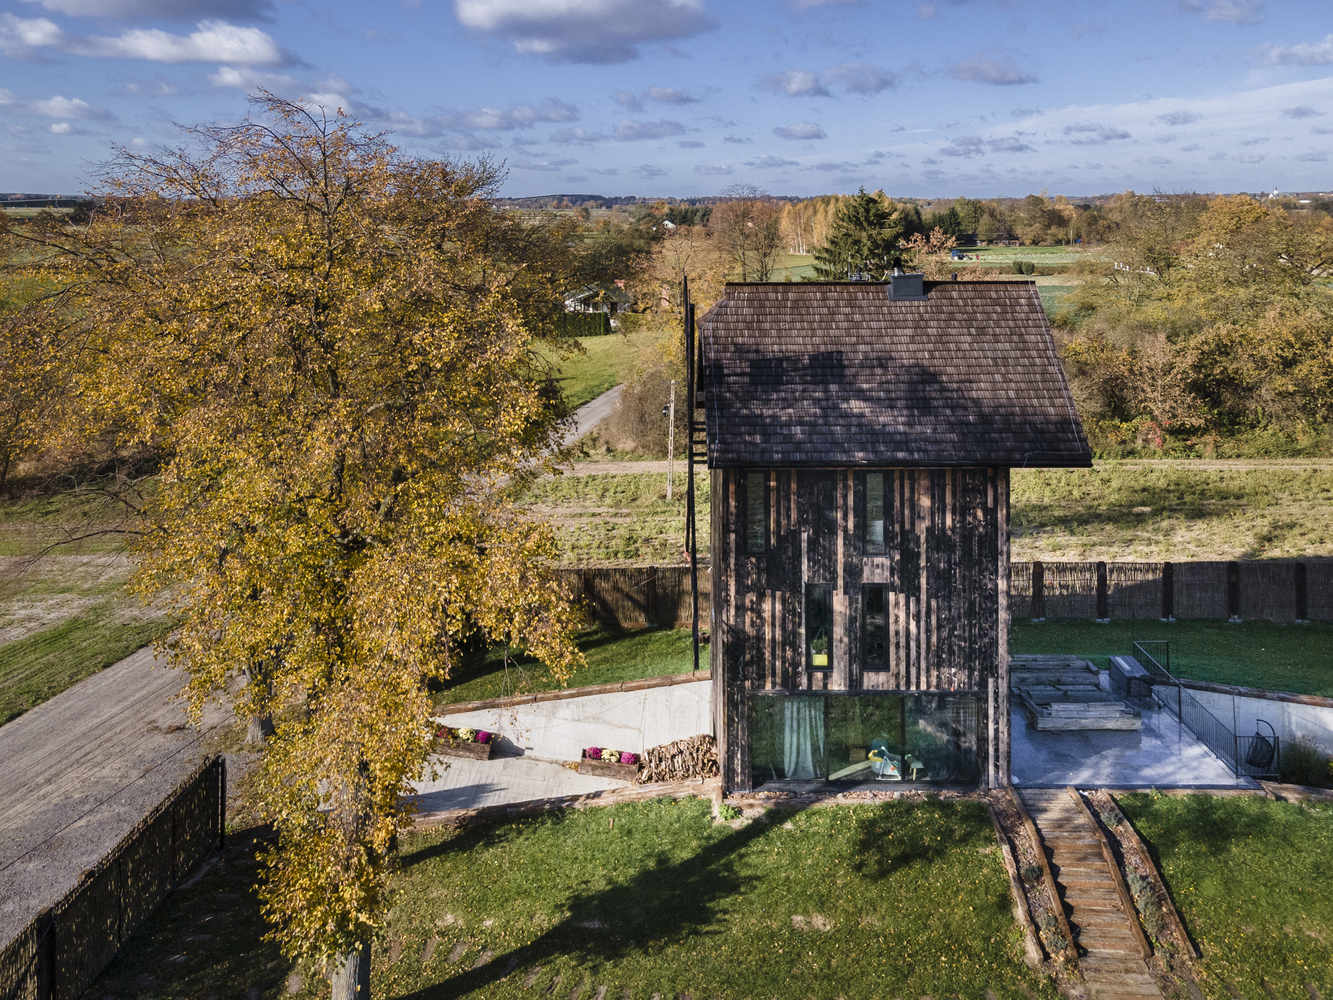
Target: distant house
[
  {"x": 860, "y": 437},
  {"x": 598, "y": 298}
]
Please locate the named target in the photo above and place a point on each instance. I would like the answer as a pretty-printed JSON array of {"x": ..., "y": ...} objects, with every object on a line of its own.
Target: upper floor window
[
  {"x": 874, "y": 511},
  {"x": 873, "y": 628},
  {"x": 754, "y": 501}
]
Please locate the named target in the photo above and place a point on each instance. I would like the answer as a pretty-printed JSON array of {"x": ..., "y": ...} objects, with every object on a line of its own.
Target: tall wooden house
[{"x": 860, "y": 437}]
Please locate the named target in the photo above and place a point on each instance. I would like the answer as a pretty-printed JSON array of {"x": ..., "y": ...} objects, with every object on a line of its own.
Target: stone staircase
[{"x": 1112, "y": 963}]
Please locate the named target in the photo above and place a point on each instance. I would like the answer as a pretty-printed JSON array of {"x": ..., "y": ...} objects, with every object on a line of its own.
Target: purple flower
[
  {"x": 483, "y": 736},
  {"x": 629, "y": 758},
  {"x": 593, "y": 753}
]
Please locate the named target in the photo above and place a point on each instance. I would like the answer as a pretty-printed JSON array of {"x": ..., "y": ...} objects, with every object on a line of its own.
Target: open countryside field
[
  {"x": 1118, "y": 510},
  {"x": 901, "y": 899}
]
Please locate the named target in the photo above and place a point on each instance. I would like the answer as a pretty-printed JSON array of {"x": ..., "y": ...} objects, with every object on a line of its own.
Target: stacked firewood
[{"x": 695, "y": 757}]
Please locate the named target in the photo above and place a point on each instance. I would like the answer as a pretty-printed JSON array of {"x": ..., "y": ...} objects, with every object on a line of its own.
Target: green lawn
[
  {"x": 606, "y": 363},
  {"x": 1180, "y": 510},
  {"x": 1268, "y": 655},
  {"x": 41, "y": 665},
  {"x": 1251, "y": 880},
  {"x": 612, "y": 654},
  {"x": 898, "y": 899},
  {"x": 655, "y": 898}
]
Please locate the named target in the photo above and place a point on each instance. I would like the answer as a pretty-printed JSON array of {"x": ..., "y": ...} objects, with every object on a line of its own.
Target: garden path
[{"x": 1113, "y": 967}]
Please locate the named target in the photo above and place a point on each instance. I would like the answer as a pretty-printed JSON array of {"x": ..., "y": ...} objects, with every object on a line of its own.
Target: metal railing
[{"x": 1247, "y": 755}]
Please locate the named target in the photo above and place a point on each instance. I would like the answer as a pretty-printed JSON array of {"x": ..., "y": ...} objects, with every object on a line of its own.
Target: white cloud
[
  {"x": 649, "y": 170},
  {"x": 155, "y": 10},
  {"x": 983, "y": 69},
  {"x": 811, "y": 4},
  {"x": 843, "y": 167},
  {"x": 1179, "y": 118},
  {"x": 628, "y": 130},
  {"x": 1303, "y": 54},
  {"x": 861, "y": 78},
  {"x": 670, "y": 95},
  {"x": 1301, "y": 111},
  {"x": 629, "y": 100},
  {"x": 63, "y": 107},
  {"x": 713, "y": 169},
  {"x": 690, "y": 144},
  {"x": 801, "y": 130},
  {"x": 214, "y": 41},
  {"x": 518, "y": 116},
  {"x": 159, "y": 86},
  {"x": 1010, "y": 144},
  {"x": 542, "y": 165},
  {"x": 1229, "y": 11},
  {"x": 249, "y": 80},
  {"x": 965, "y": 146},
  {"x": 60, "y": 128},
  {"x": 737, "y": 140},
  {"x": 52, "y": 107},
  {"x": 578, "y": 134},
  {"x": 593, "y": 31},
  {"x": 770, "y": 163},
  {"x": 795, "y": 83},
  {"x": 1094, "y": 134}
]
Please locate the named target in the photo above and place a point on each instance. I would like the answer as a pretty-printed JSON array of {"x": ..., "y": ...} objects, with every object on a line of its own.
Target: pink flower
[
  {"x": 483, "y": 736},
  {"x": 629, "y": 758},
  {"x": 593, "y": 753}
]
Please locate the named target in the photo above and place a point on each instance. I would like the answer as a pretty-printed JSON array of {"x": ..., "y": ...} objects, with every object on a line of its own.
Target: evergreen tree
[{"x": 865, "y": 240}]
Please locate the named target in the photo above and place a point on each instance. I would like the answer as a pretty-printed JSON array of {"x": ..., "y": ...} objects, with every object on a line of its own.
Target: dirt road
[{"x": 77, "y": 772}]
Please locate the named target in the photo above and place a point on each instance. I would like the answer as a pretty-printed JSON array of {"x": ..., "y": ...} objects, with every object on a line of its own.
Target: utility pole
[{"x": 671, "y": 436}]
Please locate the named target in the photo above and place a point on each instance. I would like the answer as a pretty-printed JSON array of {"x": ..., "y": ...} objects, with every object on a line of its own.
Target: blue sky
[{"x": 685, "y": 97}]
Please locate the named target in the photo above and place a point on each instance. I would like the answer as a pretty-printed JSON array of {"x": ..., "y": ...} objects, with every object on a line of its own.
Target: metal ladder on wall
[{"x": 696, "y": 451}]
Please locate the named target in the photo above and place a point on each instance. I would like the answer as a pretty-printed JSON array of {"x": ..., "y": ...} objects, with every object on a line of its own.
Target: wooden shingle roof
[{"x": 836, "y": 374}]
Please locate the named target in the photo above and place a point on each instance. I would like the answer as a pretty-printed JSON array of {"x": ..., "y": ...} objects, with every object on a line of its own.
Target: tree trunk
[
  {"x": 351, "y": 974},
  {"x": 259, "y": 729}
]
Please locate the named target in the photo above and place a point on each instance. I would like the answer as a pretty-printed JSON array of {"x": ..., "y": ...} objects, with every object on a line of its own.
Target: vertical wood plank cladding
[
  {"x": 944, "y": 569},
  {"x": 1001, "y": 709}
]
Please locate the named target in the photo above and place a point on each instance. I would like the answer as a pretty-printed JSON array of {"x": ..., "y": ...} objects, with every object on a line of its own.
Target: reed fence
[
  {"x": 1272, "y": 590},
  {"x": 66, "y": 947}
]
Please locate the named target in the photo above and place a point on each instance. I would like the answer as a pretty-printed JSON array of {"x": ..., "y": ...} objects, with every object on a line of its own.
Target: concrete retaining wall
[
  {"x": 1292, "y": 716},
  {"x": 628, "y": 720}
]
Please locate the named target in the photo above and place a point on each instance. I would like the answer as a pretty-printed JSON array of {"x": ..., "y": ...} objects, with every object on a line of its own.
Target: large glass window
[
  {"x": 755, "y": 503},
  {"x": 819, "y": 626},
  {"x": 864, "y": 737},
  {"x": 874, "y": 628},
  {"x": 874, "y": 511}
]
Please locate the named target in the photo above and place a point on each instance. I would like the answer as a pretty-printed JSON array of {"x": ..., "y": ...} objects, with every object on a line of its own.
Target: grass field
[
  {"x": 1268, "y": 655},
  {"x": 1181, "y": 510},
  {"x": 606, "y": 363},
  {"x": 1130, "y": 510},
  {"x": 1250, "y": 878},
  {"x": 620, "y": 519},
  {"x": 899, "y": 899},
  {"x": 613, "y": 655}
]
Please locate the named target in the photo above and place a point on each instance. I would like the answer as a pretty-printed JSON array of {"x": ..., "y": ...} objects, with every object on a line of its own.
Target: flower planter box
[
  {"x": 605, "y": 769},
  {"x": 457, "y": 748}
]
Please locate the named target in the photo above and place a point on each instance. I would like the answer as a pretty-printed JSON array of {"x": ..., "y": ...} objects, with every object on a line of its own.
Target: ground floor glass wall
[{"x": 865, "y": 737}]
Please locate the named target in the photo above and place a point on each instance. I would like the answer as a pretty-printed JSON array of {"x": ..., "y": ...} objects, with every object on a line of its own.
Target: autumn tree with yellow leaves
[{"x": 334, "y": 350}]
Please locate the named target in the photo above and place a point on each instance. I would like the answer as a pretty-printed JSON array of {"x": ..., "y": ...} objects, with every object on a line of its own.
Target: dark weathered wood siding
[{"x": 944, "y": 567}]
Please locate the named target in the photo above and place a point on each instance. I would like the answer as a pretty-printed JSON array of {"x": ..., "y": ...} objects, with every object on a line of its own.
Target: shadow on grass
[
  {"x": 899, "y": 834},
  {"x": 652, "y": 908},
  {"x": 207, "y": 938}
]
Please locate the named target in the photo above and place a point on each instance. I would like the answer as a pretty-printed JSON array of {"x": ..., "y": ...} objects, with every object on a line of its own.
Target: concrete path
[
  {"x": 1164, "y": 753},
  {"x": 629, "y": 721},
  {"x": 468, "y": 784},
  {"x": 77, "y": 772},
  {"x": 1113, "y": 966},
  {"x": 590, "y": 414}
]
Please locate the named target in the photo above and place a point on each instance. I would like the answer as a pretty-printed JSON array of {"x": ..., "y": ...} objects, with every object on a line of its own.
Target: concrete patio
[{"x": 1163, "y": 754}]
